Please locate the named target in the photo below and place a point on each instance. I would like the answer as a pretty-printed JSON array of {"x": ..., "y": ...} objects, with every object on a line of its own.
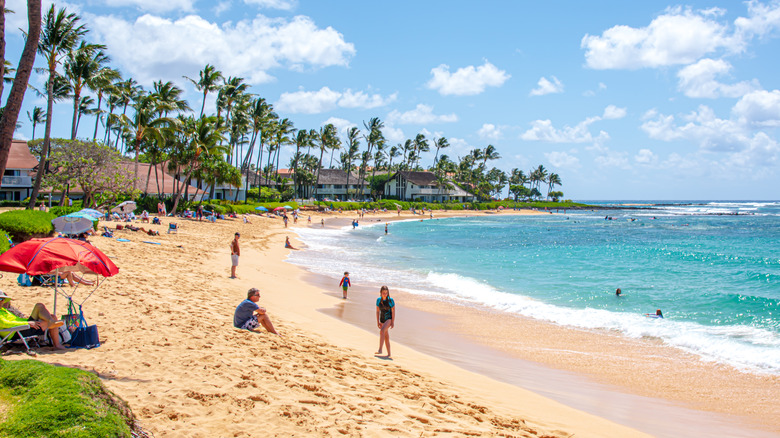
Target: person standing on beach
[
  {"x": 385, "y": 318},
  {"x": 322, "y": 221},
  {"x": 345, "y": 284},
  {"x": 235, "y": 251}
]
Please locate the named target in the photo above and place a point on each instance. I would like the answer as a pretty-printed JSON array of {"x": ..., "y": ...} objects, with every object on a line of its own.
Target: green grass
[{"x": 42, "y": 400}]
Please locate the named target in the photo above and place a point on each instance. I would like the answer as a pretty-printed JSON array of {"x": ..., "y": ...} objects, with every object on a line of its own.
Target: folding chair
[
  {"x": 13, "y": 333},
  {"x": 173, "y": 228}
]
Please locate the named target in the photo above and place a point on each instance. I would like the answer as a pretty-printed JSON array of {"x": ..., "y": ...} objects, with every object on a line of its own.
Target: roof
[
  {"x": 419, "y": 178},
  {"x": 337, "y": 176},
  {"x": 20, "y": 157}
]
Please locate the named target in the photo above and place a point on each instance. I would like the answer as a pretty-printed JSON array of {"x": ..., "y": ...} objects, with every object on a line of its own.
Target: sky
[{"x": 650, "y": 100}]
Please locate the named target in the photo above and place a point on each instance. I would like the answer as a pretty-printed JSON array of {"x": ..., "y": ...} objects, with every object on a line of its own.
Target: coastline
[
  {"x": 169, "y": 349},
  {"x": 656, "y": 377}
]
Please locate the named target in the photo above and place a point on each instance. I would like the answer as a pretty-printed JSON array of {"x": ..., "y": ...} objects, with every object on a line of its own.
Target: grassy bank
[{"x": 42, "y": 400}]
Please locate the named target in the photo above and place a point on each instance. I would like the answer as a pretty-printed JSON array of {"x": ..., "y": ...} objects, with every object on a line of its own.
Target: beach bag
[
  {"x": 24, "y": 280},
  {"x": 64, "y": 335},
  {"x": 85, "y": 336}
]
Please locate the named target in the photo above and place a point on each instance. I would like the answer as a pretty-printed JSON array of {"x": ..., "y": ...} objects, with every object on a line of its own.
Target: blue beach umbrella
[
  {"x": 261, "y": 208},
  {"x": 287, "y": 207},
  {"x": 94, "y": 213},
  {"x": 83, "y": 215},
  {"x": 72, "y": 224}
]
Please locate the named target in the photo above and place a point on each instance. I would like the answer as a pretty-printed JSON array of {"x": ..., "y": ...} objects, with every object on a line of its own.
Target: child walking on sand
[
  {"x": 385, "y": 318},
  {"x": 345, "y": 284}
]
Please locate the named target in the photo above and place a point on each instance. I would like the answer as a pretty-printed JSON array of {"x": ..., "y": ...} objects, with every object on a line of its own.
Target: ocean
[{"x": 713, "y": 268}]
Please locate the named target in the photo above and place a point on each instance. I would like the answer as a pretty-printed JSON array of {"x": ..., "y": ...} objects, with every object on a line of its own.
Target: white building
[
  {"x": 17, "y": 180},
  {"x": 423, "y": 186}
]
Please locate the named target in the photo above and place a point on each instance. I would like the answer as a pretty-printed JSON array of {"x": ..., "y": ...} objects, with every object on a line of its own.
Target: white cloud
[
  {"x": 154, "y": 5},
  {"x": 543, "y": 130},
  {"x": 489, "y": 131},
  {"x": 761, "y": 20},
  {"x": 466, "y": 81},
  {"x": 680, "y": 36},
  {"x": 393, "y": 134},
  {"x": 325, "y": 99},
  {"x": 736, "y": 136},
  {"x": 285, "y": 5},
  {"x": 646, "y": 157},
  {"x": 698, "y": 80},
  {"x": 342, "y": 125},
  {"x": 222, "y": 7},
  {"x": 547, "y": 87},
  {"x": 562, "y": 159},
  {"x": 152, "y": 47},
  {"x": 612, "y": 159},
  {"x": 422, "y": 114},
  {"x": 613, "y": 112},
  {"x": 759, "y": 108}
]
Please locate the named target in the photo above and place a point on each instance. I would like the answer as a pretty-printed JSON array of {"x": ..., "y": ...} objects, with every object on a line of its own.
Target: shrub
[
  {"x": 25, "y": 224},
  {"x": 49, "y": 400},
  {"x": 5, "y": 243},
  {"x": 58, "y": 211}
]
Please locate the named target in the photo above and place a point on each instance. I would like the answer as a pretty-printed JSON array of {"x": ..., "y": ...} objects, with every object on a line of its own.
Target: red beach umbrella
[
  {"x": 42, "y": 256},
  {"x": 58, "y": 254},
  {"x": 278, "y": 208}
]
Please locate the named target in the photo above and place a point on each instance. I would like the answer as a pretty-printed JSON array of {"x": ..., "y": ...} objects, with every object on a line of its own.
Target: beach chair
[
  {"x": 12, "y": 334},
  {"x": 173, "y": 227}
]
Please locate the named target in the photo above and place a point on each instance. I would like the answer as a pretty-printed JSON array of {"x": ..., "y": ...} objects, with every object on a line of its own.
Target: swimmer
[{"x": 657, "y": 314}]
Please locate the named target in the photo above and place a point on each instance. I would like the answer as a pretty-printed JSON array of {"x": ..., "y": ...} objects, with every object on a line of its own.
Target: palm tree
[
  {"x": 60, "y": 33},
  {"x": 303, "y": 139},
  {"x": 168, "y": 98},
  {"x": 204, "y": 137},
  {"x": 394, "y": 152},
  {"x": 440, "y": 143},
  {"x": 373, "y": 136},
  {"x": 327, "y": 136},
  {"x": 84, "y": 109},
  {"x": 80, "y": 66},
  {"x": 353, "y": 147},
  {"x": 208, "y": 81},
  {"x": 282, "y": 137},
  {"x": 100, "y": 83},
  {"x": 541, "y": 176},
  {"x": 36, "y": 117},
  {"x": 420, "y": 146},
  {"x": 21, "y": 80},
  {"x": 490, "y": 153},
  {"x": 553, "y": 180}
]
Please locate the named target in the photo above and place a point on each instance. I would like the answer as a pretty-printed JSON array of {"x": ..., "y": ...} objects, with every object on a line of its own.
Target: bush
[
  {"x": 5, "y": 243},
  {"x": 48, "y": 400},
  {"x": 25, "y": 224},
  {"x": 58, "y": 211}
]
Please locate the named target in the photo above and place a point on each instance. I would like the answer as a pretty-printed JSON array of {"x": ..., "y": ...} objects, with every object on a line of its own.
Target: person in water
[
  {"x": 385, "y": 318},
  {"x": 618, "y": 292},
  {"x": 657, "y": 314},
  {"x": 345, "y": 284}
]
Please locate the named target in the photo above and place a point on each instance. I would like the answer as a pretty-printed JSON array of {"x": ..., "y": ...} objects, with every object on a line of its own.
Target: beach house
[
  {"x": 333, "y": 185},
  {"x": 423, "y": 186},
  {"x": 17, "y": 180}
]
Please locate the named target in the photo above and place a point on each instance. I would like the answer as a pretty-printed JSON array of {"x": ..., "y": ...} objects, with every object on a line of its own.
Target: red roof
[{"x": 20, "y": 156}]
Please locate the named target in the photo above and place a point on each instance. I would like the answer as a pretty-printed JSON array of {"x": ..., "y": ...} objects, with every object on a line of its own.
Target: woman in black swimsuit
[{"x": 385, "y": 318}]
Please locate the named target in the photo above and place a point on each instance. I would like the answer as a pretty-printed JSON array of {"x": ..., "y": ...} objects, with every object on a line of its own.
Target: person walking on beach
[
  {"x": 345, "y": 284},
  {"x": 235, "y": 251},
  {"x": 385, "y": 318},
  {"x": 249, "y": 316},
  {"x": 322, "y": 221}
]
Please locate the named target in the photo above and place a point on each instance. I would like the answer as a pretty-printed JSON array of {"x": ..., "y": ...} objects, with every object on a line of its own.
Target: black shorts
[
  {"x": 384, "y": 317},
  {"x": 31, "y": 331}
]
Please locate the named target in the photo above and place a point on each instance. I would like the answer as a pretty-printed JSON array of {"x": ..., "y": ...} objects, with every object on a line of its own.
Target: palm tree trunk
[
  {"x": 14, "y": 103},
  {"x": 43, "y": 161},
  {"x": 97, "y": 114},
  {"x": 74, "y": 122}
]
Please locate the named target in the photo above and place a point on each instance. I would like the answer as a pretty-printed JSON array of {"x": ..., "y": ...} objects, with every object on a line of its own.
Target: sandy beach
[{"x": 169, "y": 349}]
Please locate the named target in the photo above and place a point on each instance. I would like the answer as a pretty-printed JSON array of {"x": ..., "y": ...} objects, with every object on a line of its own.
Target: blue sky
[{"x": 638, "y": 100}]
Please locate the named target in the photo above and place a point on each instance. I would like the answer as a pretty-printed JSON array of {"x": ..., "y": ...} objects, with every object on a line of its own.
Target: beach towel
[
  {"x": 153, "y": 243},
  {"x": 122, "y": 240}
]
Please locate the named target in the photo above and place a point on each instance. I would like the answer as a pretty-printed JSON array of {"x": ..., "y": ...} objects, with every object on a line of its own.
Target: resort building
[
  {"x": 17, "y": 183},
  {"x": 423, "y": 186},
  {"x": 333, "y": 185}
]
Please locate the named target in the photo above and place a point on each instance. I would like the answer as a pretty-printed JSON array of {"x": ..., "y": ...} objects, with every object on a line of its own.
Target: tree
[
  {"x": 328, "y": 135},
  {"x": 60, "y": 33},
  {"x": 208, "y": 81},
  {"x": 353, "y": 147},
  {"x": 96, "y": 168},
  {"x": 101, "y": 82},
  {"x": 14, "y": 104},
  {"x": 552, "y": 180},
  {"x": 37, "y": 117},
  {"x": 440, "y": 143},
  {"x": 490, "y": 153},
  {"x": 81, "y": 65}
]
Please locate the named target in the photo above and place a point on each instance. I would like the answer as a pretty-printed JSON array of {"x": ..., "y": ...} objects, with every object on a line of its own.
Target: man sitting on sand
[
  {"x": 39, "y": 321},
  {"x": 249, "y": 315}
]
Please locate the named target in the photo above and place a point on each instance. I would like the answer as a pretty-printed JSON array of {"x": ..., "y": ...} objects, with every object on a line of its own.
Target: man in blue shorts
[{"x": 249, "y": 315}]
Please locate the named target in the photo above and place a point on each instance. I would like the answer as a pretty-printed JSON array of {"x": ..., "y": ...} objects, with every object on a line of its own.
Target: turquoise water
[{"x": 715, "y": 275}]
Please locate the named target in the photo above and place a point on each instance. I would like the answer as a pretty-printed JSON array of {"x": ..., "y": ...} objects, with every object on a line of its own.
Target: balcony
[{"x": 17, "y": 181}]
